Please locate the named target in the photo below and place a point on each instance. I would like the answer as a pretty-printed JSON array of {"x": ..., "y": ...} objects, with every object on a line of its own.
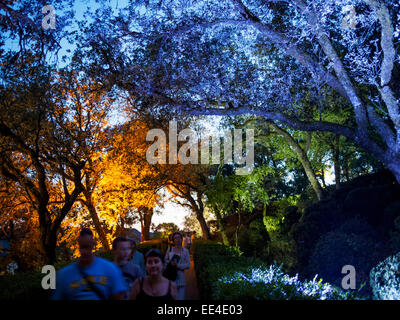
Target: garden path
[{"x": 192, "y": 292}]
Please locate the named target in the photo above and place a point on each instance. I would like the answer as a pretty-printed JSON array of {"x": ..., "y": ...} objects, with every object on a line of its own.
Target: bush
[
  {"x": 270, "y": 283},
  {"x": 252, "y": 240},
  {"x": 224, "y": 274},
  {"x": 395, "y": 235},
  {"x": 160, "y": 244},
  {"x": 385, "y": 279},
  {"x": 351, "y": 244},
  {"x": 283, "y": 252},
  {"x": 23, "y": 286}
]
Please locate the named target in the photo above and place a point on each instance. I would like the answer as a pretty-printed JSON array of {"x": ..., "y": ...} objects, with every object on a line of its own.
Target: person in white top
[{"x": 182, "y": 264}]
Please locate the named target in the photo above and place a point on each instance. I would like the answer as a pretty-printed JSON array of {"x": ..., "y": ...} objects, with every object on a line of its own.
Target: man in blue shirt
[{"x": 91, "y": 278}]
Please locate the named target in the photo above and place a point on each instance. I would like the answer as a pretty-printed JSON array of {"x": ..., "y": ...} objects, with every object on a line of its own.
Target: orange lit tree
[{"x": 48, "y": 136}]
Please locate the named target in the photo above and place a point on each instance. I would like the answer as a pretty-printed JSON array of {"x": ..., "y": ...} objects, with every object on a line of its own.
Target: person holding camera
[{"x": 178, "y": 258}]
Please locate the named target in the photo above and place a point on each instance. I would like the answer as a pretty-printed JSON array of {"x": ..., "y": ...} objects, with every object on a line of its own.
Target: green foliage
[
  {"x": 246, "y": 191},
  {"x": 279, "y": 218},
  {"x": 23, "y": 286},
  {"x": 283, "y": 252},
  {"x": 272, "y": 224},
  {"x": 163, "y": 230},
  {"x": 253, "y": 240}
]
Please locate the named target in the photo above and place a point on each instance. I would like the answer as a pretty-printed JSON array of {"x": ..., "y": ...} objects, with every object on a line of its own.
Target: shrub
[
  {"x": 395, "y": 235},
  {"x": 224, "y": 274},
  {"x": 23, "y": 286},
  {"x": 160, "y": 244},
  {"x": 252, "y": 240},
  {"x": 385, "y": 279},
  {"x": 283, "y": 252},
  {"x": 351, "y": 244},
  {"x": 270, "y": 283}
]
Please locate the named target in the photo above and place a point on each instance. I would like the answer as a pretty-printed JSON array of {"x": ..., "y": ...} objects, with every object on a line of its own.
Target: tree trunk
[
  {"x": 323, "y": 177},
  {"x": 346, "y": 170},
  {"x": 198, "y": 207},
  {"x": 302, "y": 156},
  {"x": 265, "y": 216},
  {"x": 335, "y": 159},
  {"x": 148, "y": 214},
  {"x": 49, "y": 243},
  {"x": 310, "y": 174},
  {"x": 237, "y": 230},
  {"x": 48, "y": 237},
  {"x": 221, "y": 226},
  {"x": 203, "y": 225},
  {"x": 96, "y": 222},
  {"x": 394, "y": 167}
]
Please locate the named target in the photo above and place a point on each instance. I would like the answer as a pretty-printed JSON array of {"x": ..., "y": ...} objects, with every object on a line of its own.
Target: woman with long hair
[{"x": 179, "y": 257}]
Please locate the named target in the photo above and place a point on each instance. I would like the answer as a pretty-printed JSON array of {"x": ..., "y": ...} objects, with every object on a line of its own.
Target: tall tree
[{"x": 207, "y": 61}]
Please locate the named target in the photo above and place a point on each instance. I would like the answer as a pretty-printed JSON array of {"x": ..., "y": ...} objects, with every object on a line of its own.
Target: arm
[
  {"x": 174, "y": 291},
  {"x": 185, "y": 262},
  {"x": 135, "y": 290},
  {"x": 166, "y": 258},
  {"x": 118, "y": 284}
]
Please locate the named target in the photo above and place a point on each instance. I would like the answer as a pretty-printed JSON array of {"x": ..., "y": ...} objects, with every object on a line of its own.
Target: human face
[
  {"x": 177, "y": 240},
  {"x": 154, "y": 266},
  {"x": 86, "y": 245},
  {"x": 123, "y": 251}
]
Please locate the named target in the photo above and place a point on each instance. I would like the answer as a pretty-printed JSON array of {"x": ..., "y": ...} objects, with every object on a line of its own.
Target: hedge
[
  {"x": 27, "y": 285},
  {"x": 160, "y": 244},
  {"x": 224, "y": 274}
]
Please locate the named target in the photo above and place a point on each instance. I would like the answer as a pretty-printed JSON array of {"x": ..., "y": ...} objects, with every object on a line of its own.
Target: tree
[
  {"x": 91, "y": 118},
  {"x": 269, "y": 128},
  {"x": 39, "y": 149},
  {"x": 188, "y": 191},
  {"x": 202, "y": 62},
  {"x": 165, "y": 229},
  {"x": 46, "y": 148},
  {"x": 129, "y": 183},
  {"x": 33, "y": 144}
]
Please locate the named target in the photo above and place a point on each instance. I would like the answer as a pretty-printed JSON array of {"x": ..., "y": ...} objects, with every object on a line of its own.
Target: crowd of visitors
[{"x": 132, "y": 275}]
